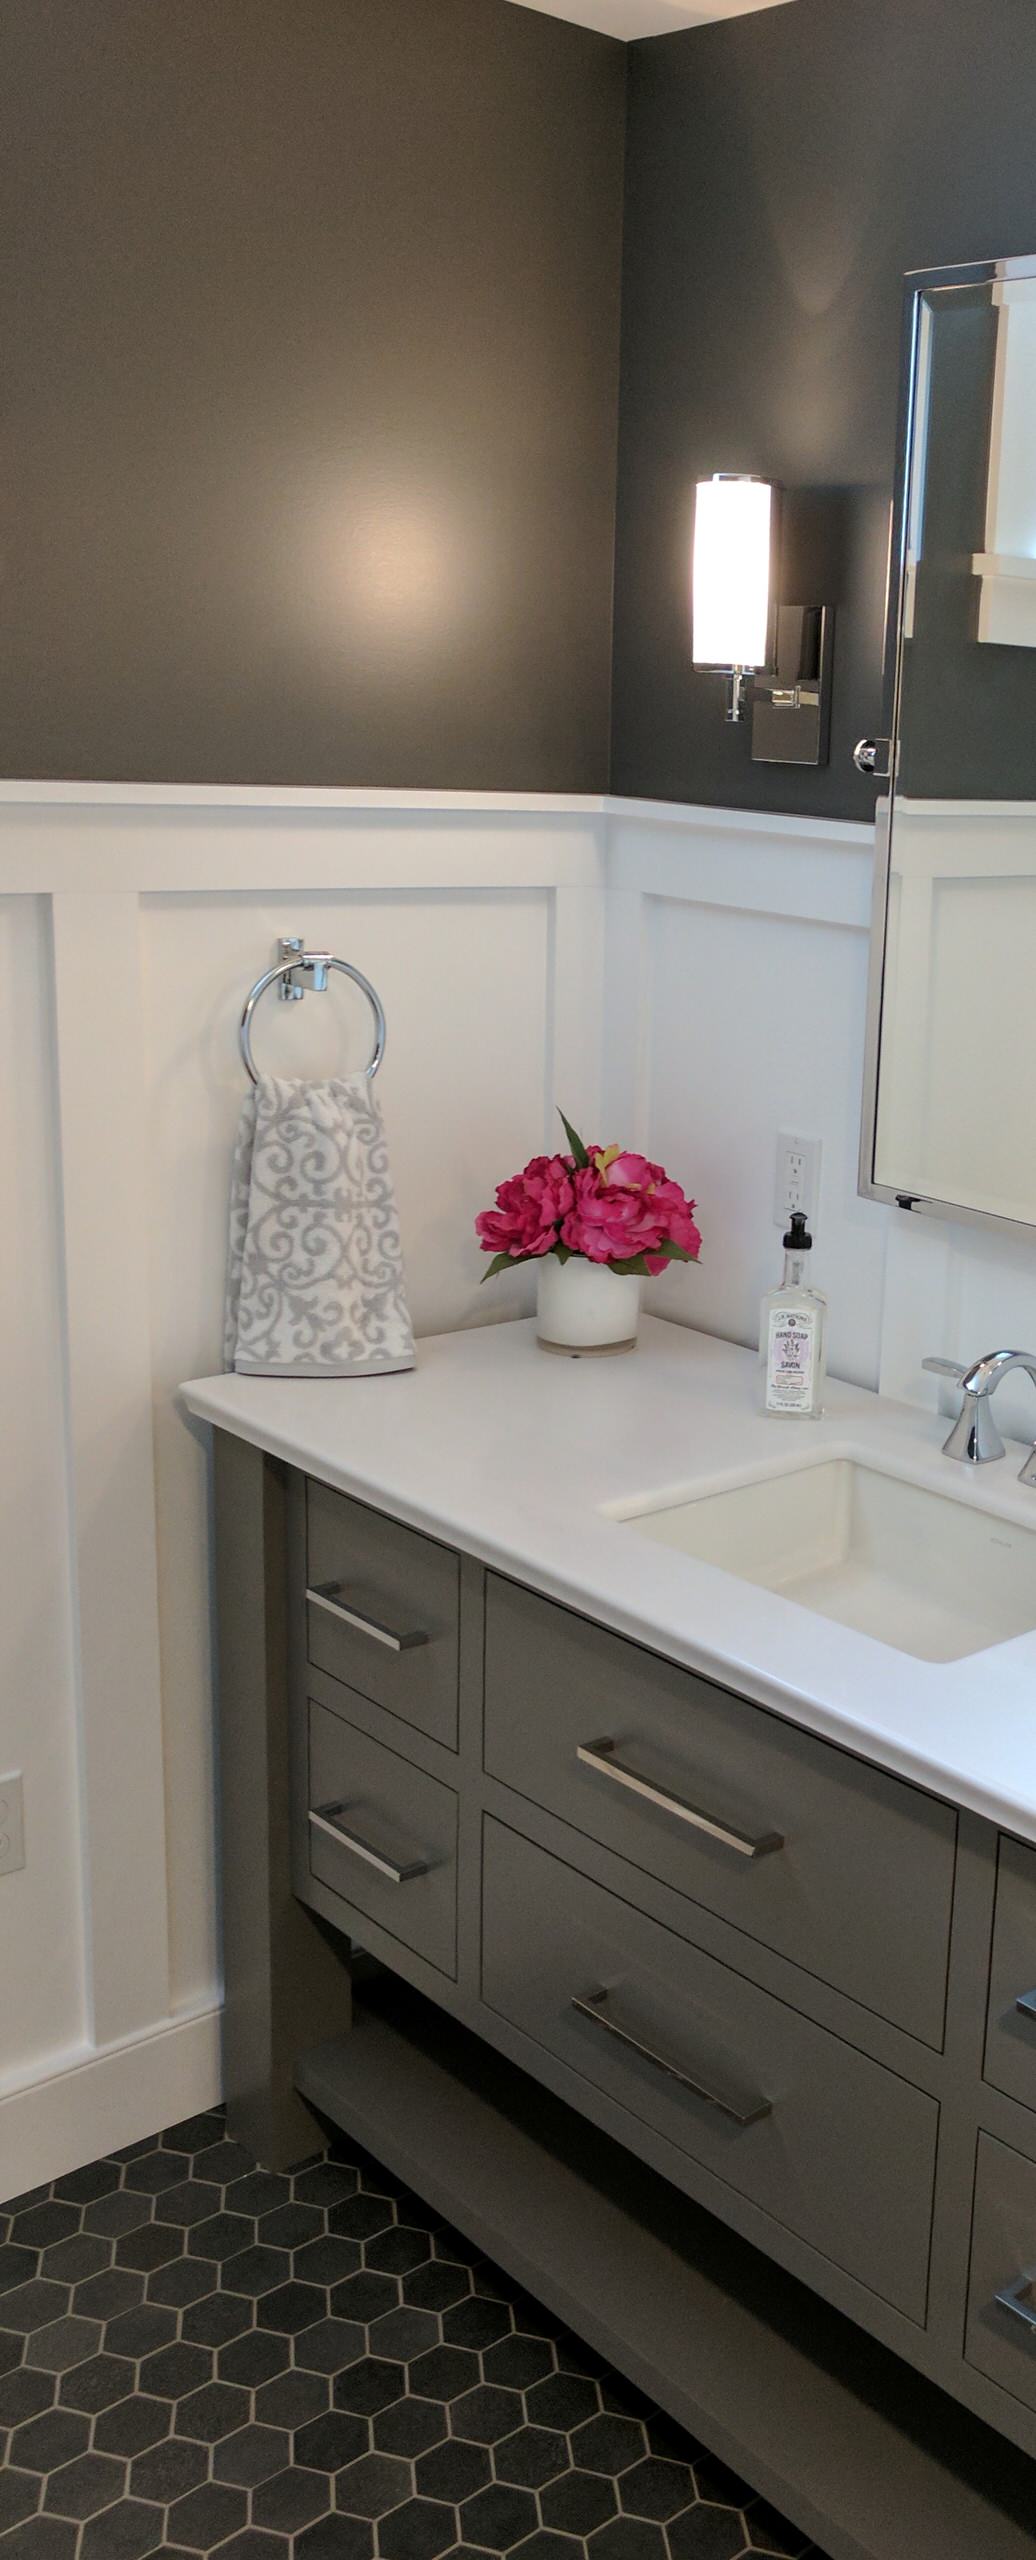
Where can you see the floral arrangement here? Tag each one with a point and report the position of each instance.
(602, 1202)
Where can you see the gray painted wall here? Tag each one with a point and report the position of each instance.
(309, 315)
(783, 171)
(309, 320)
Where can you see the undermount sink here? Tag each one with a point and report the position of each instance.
(918, 1570)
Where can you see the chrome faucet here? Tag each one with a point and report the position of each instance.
(974, 1436)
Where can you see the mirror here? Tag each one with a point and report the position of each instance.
(950, 1101)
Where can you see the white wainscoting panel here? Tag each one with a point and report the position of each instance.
(735, 1005)
(130, 932)
(102, 1167)
(465, 980)
(41, 1907)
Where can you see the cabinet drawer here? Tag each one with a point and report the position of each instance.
(835, 2148)
(383, 1611)
(1001, 2331)
(1011, 2026)
(381, 1836)
(842, 1869)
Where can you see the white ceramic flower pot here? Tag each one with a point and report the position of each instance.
(583, 1308)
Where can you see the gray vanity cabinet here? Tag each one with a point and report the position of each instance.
(564, 1883)
(1001, 2330)
(1011, 2027)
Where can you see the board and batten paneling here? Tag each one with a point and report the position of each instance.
(735, 992)
(465, 980)
(131, 928)
(41, 1906)
(751, 952)
(688, 980)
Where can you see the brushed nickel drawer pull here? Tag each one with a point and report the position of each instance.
(740, 2110)
(328, 1818)
(1017, 2299)
(602, 1757)
(1026, 2002)
(323, 1597)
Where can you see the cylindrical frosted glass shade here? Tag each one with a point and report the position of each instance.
(731, 572)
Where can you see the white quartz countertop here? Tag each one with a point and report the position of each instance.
(516, 1457)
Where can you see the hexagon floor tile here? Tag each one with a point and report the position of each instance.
(197, 2356)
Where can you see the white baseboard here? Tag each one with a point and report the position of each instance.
(96, 2101)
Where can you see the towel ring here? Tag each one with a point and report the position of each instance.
(316, 964)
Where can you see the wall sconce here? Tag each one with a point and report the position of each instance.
(732, 578)
(740, 630)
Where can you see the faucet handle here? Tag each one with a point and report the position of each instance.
(945, 1369)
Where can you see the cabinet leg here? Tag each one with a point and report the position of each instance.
(286, 1977)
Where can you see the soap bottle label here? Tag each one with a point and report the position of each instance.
(791, 1360)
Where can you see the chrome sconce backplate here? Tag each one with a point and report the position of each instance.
(791, 702)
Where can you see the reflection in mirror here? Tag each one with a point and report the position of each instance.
(952, 1071)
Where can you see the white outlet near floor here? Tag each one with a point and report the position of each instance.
(797, 1181)
(12, 1825)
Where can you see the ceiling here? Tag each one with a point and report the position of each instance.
(631, 18)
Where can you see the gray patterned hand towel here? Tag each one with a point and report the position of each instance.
(315, 1284)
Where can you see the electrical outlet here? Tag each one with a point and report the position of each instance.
(797, 1184)
(12, 1825)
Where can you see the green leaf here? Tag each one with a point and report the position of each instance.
(637, 1264)
(502, 1262)
(634, 1267)
(576, 1147)
(562, 1253)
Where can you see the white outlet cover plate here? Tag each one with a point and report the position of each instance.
(789, 1144)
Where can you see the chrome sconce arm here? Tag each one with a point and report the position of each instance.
(737, 698)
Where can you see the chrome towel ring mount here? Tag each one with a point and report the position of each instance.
(293, 974)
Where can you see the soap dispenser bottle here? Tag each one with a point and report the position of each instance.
(793, 1332)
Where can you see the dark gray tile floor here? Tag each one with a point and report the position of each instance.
(198, 2356)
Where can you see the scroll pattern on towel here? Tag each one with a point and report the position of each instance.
(315, 1284)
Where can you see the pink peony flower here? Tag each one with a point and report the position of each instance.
(676, 1212)
(626, 1206)
(635, 1173)
(608, 1223)
(681, 1229)
(529, 1209)
(616, 1207)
